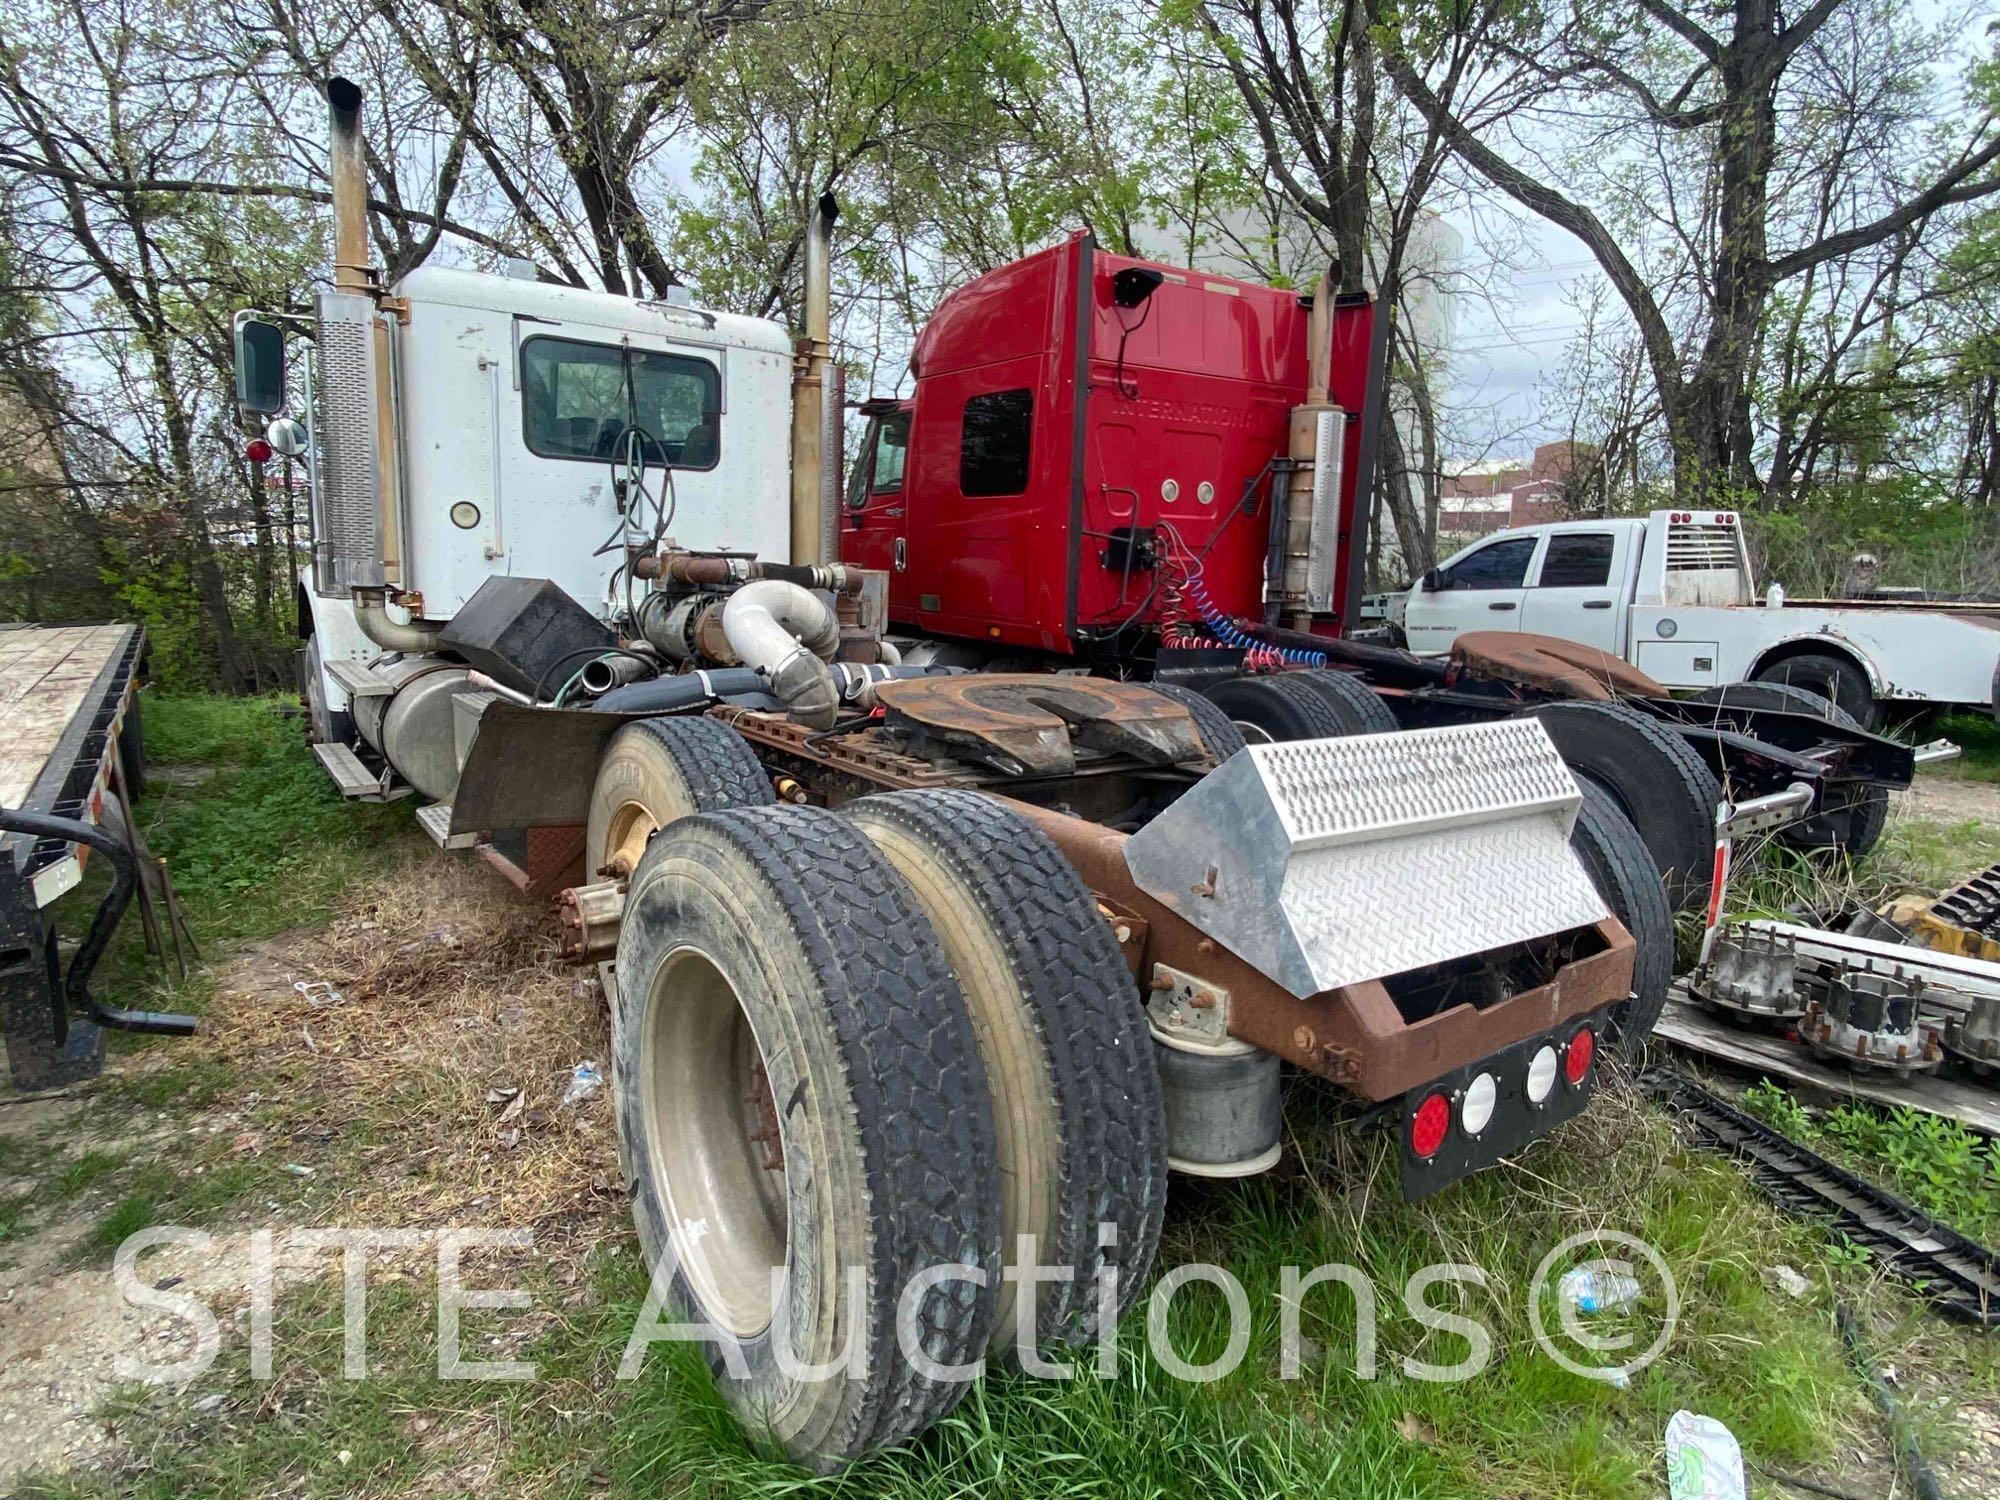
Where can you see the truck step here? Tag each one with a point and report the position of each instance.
(436, 821)
(360, 679)
(356, 782)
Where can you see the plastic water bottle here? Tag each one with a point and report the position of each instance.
(1590, 1290)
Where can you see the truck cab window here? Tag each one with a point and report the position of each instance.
(1577, 560)
(993, 443)
(1504, 565)
(892, 446)
(576, 398)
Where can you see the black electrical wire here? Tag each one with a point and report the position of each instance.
(1131, 392)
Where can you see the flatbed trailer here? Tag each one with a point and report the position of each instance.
(69, 752)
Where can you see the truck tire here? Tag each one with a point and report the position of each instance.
(1217, 730)
(1834, 678)
(656, 770)
(1267, 710)
(798, 1090)
(132, 752)
(1077, 1105)
(1853, 817)
(1356, 704)
(1620, 866)
(1663, 788)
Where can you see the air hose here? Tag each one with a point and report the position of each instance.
(1231, 633)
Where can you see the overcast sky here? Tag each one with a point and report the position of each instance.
(1522, 326)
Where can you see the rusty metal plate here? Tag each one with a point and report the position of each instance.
(1568, 669)
(1030, 723)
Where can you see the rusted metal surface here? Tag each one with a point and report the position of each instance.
(836, 767)
(590, 916)
(1354, 1036)
(553, 859)
(1568, 669)
(1030, 723)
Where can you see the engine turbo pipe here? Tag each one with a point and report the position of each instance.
(349, 170)
(787, 634)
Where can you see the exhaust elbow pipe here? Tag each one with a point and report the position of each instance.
(371, 613)
(787, 635)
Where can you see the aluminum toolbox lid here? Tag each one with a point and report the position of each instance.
(1324, 863)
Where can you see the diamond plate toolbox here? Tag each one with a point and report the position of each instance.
(1324, 863)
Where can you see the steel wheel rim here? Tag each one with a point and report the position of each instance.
(711, 1142)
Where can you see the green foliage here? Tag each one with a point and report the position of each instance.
(266, 842)
(1942, 1167)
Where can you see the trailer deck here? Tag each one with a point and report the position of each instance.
(65, 691)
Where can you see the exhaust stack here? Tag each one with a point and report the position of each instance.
(1318, 442)
(809, 391)
(357, 525)
(349, 171)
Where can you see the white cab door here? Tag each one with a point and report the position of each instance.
(1482, 588)
(1578, 587)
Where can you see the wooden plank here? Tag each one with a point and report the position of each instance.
(46, 673)
(1689, 1026)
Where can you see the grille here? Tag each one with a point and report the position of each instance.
(1693, 548)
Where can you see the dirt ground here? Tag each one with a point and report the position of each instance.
(388, 1070)
(1950, 799)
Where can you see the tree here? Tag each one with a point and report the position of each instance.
(1709, 153)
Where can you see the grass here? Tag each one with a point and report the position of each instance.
(1978, 738)
(390, 1107)
(1945, 1169)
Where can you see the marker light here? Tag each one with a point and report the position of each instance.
(1576, 1063)
(1428, 1125)
(258, 451)
(1475, 1110)
(1541, 1075)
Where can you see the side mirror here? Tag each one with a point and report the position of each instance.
(1433, 580)
(260, 364)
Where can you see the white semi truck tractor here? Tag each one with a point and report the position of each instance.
(909, 967)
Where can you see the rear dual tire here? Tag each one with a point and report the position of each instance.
(1076, 1095)
(873, 1045)
(1302, 705)
(777, 979)
(1622, 870)
(1663, 788)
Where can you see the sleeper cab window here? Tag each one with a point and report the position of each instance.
(576, 399)
(993, 443)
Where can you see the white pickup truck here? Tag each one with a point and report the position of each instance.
(1672, 593)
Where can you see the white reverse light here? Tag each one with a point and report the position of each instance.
(1542, 1074)
(1475, 1113)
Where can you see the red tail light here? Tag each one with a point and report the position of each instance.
(1576, 1062)
(1428, 1124)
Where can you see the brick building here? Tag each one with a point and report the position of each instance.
(1496, 493)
